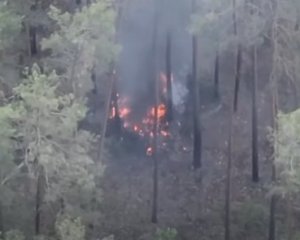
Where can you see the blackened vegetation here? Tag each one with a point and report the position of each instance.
(169, 104)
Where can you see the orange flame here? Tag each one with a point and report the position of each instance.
(146, 126)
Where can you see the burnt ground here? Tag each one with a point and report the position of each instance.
(193, 202)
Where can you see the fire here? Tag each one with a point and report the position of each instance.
(164, 80)
(161, 111)
(145, 127)
(112, 113)
(124, 112)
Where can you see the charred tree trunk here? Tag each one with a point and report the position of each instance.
(238, 59)
(237, 77)
(169, 78)
(155, 156)
(154, 218)
(272, 222)
(197, 145)
(216, 76)
(115, 104)
(39, 199)
(227, 220)
(255, 166)
(33, 41)
(1, 220)
(197, 148)
(273, 202)
(106, 113)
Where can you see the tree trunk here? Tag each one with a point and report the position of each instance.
(154, 217)
(197, 149)
(1, 220)
(106, 114)
(238, 59)
(273, 203)
(155, 155)
(117, 120)
(169, 77)
(237, 77)
(255, 166)
(33, 41)
(39, 199)
(272, 223)
(289, 217)
(227, 221)
(216, 76)
(197, 146)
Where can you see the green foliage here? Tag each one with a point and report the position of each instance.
(68, 228)
(166, 234)
(46, 123)
(10, 25)
(82, 41)
(287, 140)
(250, 219)
(13, 235)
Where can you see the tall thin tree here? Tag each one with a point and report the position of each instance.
(197, 148)
(255, 166)
(154, 217)
(227, 220)
(1, 219)
(40, 188)
(274, 94)
(238, 62)
(169, 77)
(216, 75)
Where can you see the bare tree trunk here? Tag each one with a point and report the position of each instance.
(27, 28)
(255, 166)
(39, 199)
(289, 217)
(272, 223)
(33, 41)
(155, 155)
(1, 220)
(227, 221)
(117, 119)
(273, 203)
(106, 115)
(274, 93)
(154, 217)
(216, 76)
(169, 77)
(197, 148)
(238, 59)
(237, 77)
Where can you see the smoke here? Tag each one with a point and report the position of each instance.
(136, 39)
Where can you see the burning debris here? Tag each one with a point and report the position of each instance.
(122, 111)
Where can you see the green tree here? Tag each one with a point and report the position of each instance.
(56, 153)
(82, 41)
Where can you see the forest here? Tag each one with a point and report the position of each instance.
(149, 119)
